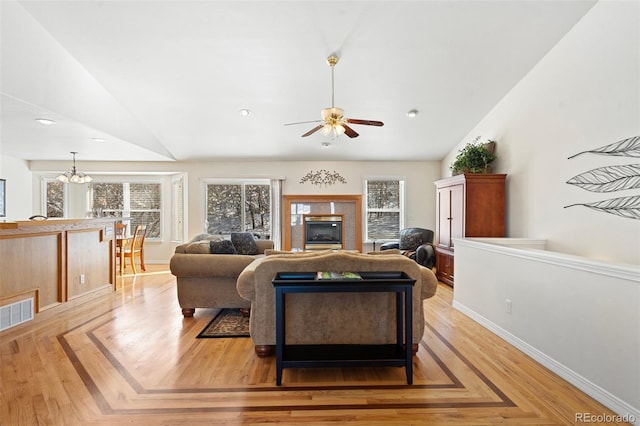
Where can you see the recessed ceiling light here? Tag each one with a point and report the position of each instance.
(45, 121)
(97, 139)
(326, 144)
(245, 112)
(412, 113)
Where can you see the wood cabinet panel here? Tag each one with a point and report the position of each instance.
(468, 205)
(444, 266)
(32, 263)
(87, 256)
(46, 258)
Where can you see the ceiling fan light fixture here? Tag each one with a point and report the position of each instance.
(334, 122)
(73, 176)
(332, 114)
(332, 130)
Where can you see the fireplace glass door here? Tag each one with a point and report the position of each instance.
(323, 232)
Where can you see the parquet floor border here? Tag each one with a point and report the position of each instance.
(129, 357)
(95, 388)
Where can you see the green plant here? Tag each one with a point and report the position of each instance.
(475, 157)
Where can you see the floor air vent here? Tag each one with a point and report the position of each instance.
(16, 313)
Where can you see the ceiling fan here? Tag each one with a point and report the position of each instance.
(333, 122)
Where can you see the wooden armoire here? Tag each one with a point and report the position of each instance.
(468, 205)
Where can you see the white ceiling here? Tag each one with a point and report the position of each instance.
(165, 80)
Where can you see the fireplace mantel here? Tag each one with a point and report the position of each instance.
(295, 206)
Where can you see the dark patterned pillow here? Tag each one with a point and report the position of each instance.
(222, 247)
(244, 243)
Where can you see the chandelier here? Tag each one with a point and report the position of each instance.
(73, 175)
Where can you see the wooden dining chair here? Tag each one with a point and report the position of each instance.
(121, 230)
(135, 248)
(121, 241)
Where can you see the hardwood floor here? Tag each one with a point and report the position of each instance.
(130, 357)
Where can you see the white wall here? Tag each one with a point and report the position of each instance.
(419, 188)
(578, 317)
(583, 95)
(18, 190)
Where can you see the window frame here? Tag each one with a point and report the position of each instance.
(401, 201)
(242, 182)
(138, 180)
(43, 192)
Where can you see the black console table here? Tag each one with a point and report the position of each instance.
(397, 354)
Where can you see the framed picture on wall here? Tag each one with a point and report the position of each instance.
(3, 209)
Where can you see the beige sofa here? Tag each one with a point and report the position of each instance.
(338, 318)
(207, 280)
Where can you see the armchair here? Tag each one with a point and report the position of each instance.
(415, 243)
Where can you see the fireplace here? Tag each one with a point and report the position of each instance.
(296, 206)
(323, 232)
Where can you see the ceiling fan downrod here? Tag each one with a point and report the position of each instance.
(332, 60)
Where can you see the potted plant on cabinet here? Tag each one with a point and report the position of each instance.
(475, 157)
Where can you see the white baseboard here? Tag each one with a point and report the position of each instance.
(632, 414)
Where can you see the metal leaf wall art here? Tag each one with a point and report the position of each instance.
(608, 179)
(624, 148)
(323, 177)
(613, 178)
(623, 206)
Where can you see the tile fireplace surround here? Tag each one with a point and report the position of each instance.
(295, 206)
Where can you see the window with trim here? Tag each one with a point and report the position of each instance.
(136, 203)
(384, 209)
(55, 198)
(239, 207)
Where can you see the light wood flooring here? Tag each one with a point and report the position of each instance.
(129, 356)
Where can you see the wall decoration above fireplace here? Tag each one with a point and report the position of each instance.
(323, 177)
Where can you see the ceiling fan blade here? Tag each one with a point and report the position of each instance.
(312, 131)
(303, 122)
(349, 131)
(365, 122)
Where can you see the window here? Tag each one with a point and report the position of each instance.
(384, 209)
(136, 203)
(55, 198)
(239, 207)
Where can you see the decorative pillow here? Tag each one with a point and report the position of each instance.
(199, 247)
(222, 247)
(244, 243)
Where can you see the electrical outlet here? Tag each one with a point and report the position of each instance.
(507, 305)
(82, 280)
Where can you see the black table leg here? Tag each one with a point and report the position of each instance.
(408, 328)
(279, 334)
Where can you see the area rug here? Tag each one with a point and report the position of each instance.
(227, 323)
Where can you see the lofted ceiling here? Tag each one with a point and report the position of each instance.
(166, 80)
